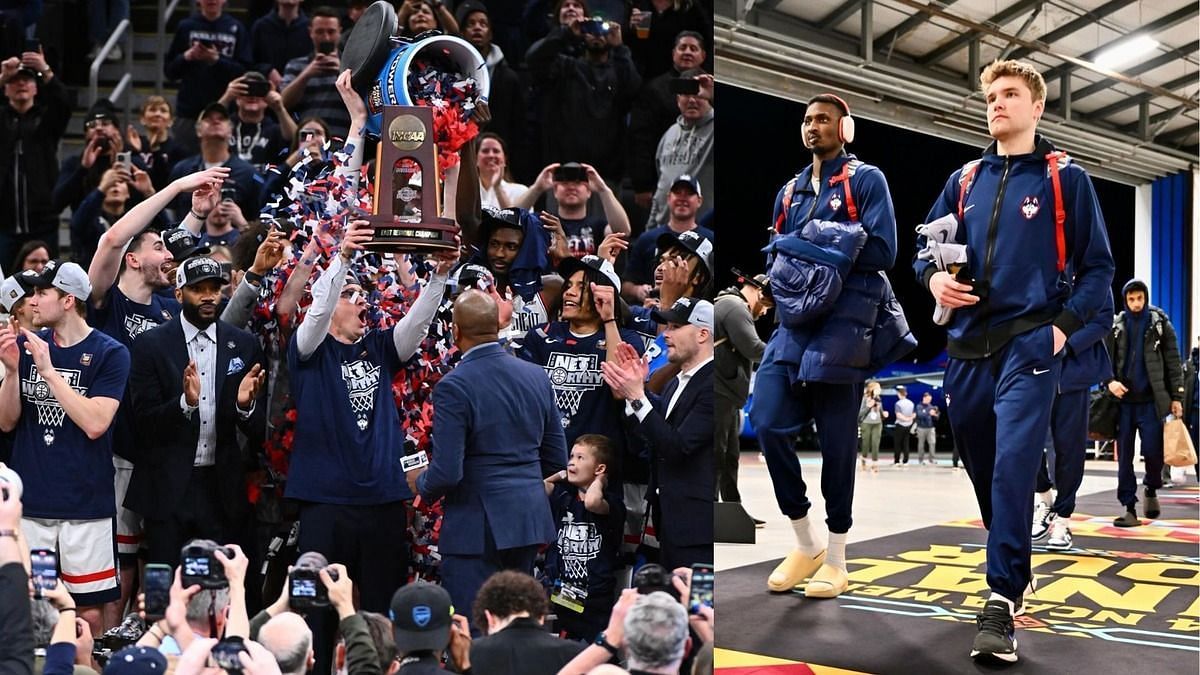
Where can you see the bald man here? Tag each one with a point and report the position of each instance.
(496, 436)
(289, 640)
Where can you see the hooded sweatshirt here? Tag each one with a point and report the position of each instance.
(684, 148)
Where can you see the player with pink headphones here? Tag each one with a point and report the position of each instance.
(816, 370)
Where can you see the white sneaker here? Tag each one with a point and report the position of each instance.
(1060, 535)
(1041, 519)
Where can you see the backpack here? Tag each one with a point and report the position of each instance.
(1054, 161)
(843, 177)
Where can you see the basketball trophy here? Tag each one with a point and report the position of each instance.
(388, 72)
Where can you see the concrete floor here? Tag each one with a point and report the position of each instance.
(889, 502)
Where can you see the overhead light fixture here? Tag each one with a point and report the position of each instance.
(1126, 51)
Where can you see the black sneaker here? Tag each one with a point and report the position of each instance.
(1152, 508)
(996, 639)
(1130, 519)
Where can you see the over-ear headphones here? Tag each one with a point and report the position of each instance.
(846, 123)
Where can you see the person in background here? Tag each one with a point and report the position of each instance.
(927, 417)
(905, 418)
(870, 425)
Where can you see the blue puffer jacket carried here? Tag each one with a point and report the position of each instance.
(866, 328)
(1008, 225)
(810, 269)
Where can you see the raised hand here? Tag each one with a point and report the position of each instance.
(252, 384)
(603, 297)
(235, 567)
(545, 179)
(132, 138)
(37, 348)
(269, 253)
(675, 281)
(206, 198)
(611, 247)
(191, 385)
(357, 234)
(10, 356)
(199, 179)
(350, 98)
(446, 260)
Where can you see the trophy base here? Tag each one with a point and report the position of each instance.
(398, 236)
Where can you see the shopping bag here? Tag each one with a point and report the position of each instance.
(1177, 444)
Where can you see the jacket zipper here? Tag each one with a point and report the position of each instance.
(991, 241)
(817, 200)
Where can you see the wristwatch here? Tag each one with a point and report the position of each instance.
(602, 641)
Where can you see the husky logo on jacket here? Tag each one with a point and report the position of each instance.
(1030, 207)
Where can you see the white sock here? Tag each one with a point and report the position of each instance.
(806, 538)
(835, 555)
(1006, 601)
(1046, 498)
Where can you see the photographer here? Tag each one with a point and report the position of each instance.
(870, 424)
(217, 608)
(65, 638)
(573, 185)
(584, 98)
(214, 131)
(309, 81)
(258, 138)
(360, 652)
(686, 147)
(16, 634)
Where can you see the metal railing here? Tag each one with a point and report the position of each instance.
(165, 10)
(124, 31)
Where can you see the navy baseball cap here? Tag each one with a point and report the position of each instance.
(195, 270)
(687, 310)
(421, 614)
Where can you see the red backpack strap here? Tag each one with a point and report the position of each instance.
(843, 177)
(1060, 214)
(787, 204)
(965, 176)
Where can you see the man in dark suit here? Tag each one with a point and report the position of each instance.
(509, 609)
(496, 436)
(194, 382)
(677, 427)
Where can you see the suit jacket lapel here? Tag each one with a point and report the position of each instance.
(224, 355)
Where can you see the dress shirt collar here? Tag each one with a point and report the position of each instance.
(190, 331)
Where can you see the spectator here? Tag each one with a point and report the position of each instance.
(344, 464)
(289, 640)
(210, 49)
(258, 138)
(905, 417)
(103, 17)
(509, 609)
(224, 223)
(506, 99)
(686, 148)
(424, 626)
(66, 423)
(583, 99)
(16, 649)
(870, 424)
(102, 208)
(494, 447)
(738, 348)
(32, 256)
(656, 632)
(215, 131)
(196, 614)
(684, 202)
(684, 269)
(677, 427)
(496, 189)
(654, 112)
(184, 401)
(590, 515)
(157, 151)
(927, 416)
(574, 185)
(80, 174)
(367, 647)
(1148, 379)
(309, 82)
(55, 627)
(279, 37)
(421, 16)
(668, 19)
(31, 124)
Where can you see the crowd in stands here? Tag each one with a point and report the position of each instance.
(218, 359)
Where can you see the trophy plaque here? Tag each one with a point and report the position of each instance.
(405, 210)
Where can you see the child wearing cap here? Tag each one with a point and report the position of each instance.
(580, 566)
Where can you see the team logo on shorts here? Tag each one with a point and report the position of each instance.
(835, 203)
(1030, 207)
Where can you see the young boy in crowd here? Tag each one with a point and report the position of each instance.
(581, 566)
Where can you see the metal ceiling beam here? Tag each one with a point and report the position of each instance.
(1131, 101)
(1045, 49)
(840, 14)
(1176, 136)
(1088, 19)
(1160, 24)
(908, 25)
(1106, 84)
(1021, 32)
(957, 43)
(1155, 120)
